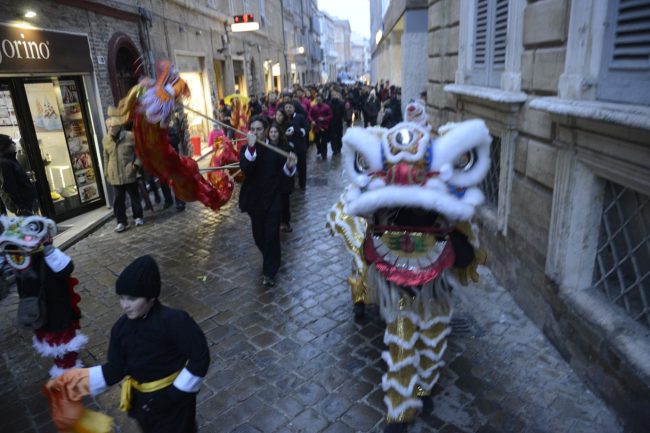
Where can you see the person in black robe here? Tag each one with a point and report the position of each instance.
(261, 195)
(296, 133)
(157, 347)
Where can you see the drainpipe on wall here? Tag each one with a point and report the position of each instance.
(284, 44)
(145, 39)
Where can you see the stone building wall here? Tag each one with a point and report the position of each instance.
(557, 154)
(99, 29)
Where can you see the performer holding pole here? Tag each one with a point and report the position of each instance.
(160, 352)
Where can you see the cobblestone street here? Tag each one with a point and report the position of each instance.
(291, 358)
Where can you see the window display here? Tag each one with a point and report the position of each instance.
(63, 142)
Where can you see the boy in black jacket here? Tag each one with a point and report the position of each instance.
(160, 352)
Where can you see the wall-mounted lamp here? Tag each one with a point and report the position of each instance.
(198, 33)
(30, 14)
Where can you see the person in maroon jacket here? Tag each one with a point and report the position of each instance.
(320, 116)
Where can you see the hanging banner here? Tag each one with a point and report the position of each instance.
(35, 50)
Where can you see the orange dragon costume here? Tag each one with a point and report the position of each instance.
(150, 105)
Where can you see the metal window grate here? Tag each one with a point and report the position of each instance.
(490, 184)
(622, 267)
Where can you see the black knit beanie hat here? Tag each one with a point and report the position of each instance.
(140, 279)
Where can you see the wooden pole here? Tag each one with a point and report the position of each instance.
(269, 146)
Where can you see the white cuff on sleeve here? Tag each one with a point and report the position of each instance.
(187, 382)
(289, 172)
(248, 155)
(57, 260)
(303, 131)
(97, 384)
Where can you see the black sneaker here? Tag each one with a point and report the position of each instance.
(359, 310)
(398, 427)
(268, 281)
(427, 404)
(167, 205)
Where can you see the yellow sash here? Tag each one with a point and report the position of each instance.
(129, 383)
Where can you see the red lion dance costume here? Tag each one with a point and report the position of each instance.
(405, 220)
(150, 104)
(44, 271)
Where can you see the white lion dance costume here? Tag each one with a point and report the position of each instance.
(44, 271)
(405, 220)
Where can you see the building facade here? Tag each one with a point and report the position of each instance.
(302, 41)
(343, 47)
(328, 47)
(564, 87)
(359, 60)
(398, 43)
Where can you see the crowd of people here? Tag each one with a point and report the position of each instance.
(292, 121)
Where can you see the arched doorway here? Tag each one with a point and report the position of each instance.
(123, 62)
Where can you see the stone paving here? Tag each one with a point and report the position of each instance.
(291, 358)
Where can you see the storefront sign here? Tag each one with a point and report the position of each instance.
(34, 50)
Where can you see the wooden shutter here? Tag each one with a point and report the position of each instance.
(625, 73)
(481, 38)
(490, 39)
(500, 39)
(481, 43)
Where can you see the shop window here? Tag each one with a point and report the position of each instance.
(490, 42)
(625, 69)
(490, 184)
(622, 268)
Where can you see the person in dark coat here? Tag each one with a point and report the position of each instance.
(277, 138)
(261, 195)
(393, 111)
(296, 133)
(16, 190)
(336, 125)
(160, 351)
(372, 109)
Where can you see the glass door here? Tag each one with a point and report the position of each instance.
(9, 126)
(58, 119)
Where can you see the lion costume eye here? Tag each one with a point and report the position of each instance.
(403, 137)
(360, 164)
(466, 161)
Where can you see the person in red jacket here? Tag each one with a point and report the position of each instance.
(320, 116)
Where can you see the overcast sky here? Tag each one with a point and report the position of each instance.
(356, 11)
